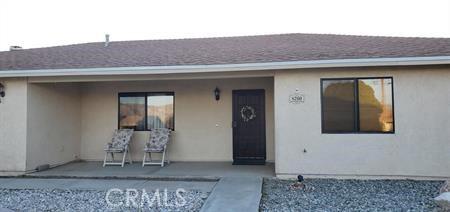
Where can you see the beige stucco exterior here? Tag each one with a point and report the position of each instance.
(203, 130)
(58, 122)
(39, 124)
(58, 119)
(420, 146)
(13, 126)
(53, 125)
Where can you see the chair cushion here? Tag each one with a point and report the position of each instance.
(158, 140)
(120, 140)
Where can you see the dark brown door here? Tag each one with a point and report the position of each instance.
(249, 127)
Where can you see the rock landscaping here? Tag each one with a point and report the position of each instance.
(84, 200)
(350, 195)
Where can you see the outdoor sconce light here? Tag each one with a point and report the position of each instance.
(217, 93)
(2, 91)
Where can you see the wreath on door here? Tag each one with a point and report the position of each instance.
(247, 113)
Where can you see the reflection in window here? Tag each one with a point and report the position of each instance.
(160, 111)
(132, 112)
(146, 111)
(338, 105)
(375, 105)
(357, 105)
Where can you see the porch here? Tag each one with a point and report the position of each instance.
(72, 119)
(174, 171)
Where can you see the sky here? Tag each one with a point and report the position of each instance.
(41, 23)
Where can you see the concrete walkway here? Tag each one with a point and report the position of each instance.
(235, 194)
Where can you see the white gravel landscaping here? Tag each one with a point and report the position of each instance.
(350, 195)
(89, 200)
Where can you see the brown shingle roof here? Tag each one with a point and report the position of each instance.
(224, 50)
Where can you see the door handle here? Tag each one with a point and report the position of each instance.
(234, 124)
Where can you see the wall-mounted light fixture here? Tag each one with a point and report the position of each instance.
(217, 93)
(2, 91)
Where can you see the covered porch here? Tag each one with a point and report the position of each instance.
(71, 119)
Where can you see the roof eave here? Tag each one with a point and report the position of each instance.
(337, 63)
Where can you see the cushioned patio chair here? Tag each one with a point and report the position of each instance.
(120, 143)
(157, 144)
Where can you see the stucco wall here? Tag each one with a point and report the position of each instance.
(13, 125)
(196, 136)
(53, 124)
(419, 147)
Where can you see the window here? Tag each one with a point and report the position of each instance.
(132, 112)
(159, 111)
(339, 105)
(146, 111)
(357, 105)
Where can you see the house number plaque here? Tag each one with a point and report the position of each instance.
(296, 98)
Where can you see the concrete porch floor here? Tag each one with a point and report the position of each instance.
(182, 170)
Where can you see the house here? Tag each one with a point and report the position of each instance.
(314, 104)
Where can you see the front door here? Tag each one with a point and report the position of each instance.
(249, 127)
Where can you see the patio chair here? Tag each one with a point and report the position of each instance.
(120, 143)
(157, 144)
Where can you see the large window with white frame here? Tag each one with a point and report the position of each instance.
(357, 105)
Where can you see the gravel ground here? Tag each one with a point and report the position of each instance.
(79, 200)
(350, 195)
